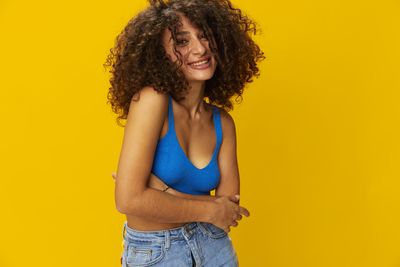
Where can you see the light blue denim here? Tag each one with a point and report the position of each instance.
(197, 244)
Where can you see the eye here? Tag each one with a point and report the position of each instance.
(181, 41)
(203, 36)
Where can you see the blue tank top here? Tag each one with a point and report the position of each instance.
(175, 169)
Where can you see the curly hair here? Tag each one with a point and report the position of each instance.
(138, 58)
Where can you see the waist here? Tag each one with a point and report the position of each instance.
(159, 236)
(140, 224)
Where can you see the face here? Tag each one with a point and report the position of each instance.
(198, 62)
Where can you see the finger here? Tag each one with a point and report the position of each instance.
(244, 211)
(234, 224)
(238, 217)
(233, 198)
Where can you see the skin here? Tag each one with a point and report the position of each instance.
(196, 136)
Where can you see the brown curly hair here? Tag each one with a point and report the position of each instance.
(138, 58)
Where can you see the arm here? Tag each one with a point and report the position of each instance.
(189, 196)
(164, 207)
(132, 195)
(158, 184)
(230, 181)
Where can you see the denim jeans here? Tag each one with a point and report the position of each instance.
(197, 244)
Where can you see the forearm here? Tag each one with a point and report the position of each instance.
(167, 208)
(199, 197)
(157, 183)
(189, 196)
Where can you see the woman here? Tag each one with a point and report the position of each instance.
(176, 146)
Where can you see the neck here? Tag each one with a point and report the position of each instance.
(193, 102)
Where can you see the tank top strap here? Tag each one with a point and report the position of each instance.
(217, 124)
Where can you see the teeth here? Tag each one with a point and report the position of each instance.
(199, 63)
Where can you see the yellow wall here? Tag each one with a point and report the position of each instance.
(318, 135)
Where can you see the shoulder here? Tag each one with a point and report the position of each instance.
(227, 121)
(149, 94)
(148, 99)
(147, 106)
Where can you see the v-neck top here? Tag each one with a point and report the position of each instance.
(175, 169)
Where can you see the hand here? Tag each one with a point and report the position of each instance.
(226, 212)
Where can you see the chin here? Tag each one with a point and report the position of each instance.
(200, 76)
(193, 80)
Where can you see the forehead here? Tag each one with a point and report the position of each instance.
(186, 23)
(186, 27)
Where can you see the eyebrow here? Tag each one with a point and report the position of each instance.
(179, 33)
(182, 33)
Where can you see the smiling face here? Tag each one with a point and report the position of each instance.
(198, 62)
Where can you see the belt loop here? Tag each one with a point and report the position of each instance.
(167, 239)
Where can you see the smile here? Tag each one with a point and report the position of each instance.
(203, 64)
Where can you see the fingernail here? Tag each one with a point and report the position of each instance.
(237, 197)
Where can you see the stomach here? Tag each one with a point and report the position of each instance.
(141, 224)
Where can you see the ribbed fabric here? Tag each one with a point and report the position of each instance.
(174, 168)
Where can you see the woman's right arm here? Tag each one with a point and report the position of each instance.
(133, 196)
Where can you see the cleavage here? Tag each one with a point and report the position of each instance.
(197, 141)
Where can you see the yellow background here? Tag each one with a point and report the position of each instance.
(318, 135)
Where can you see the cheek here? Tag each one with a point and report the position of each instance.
(172, 57)
(170, 54)
(169, 51)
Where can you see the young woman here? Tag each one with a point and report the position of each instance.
(177, 147)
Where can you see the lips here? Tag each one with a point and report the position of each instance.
(201, 61)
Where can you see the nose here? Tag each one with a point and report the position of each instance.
(199, 47)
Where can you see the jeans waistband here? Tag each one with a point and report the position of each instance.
(158, 235)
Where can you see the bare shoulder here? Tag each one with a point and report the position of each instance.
(228, 123)
(150, 97)
(147, 112)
